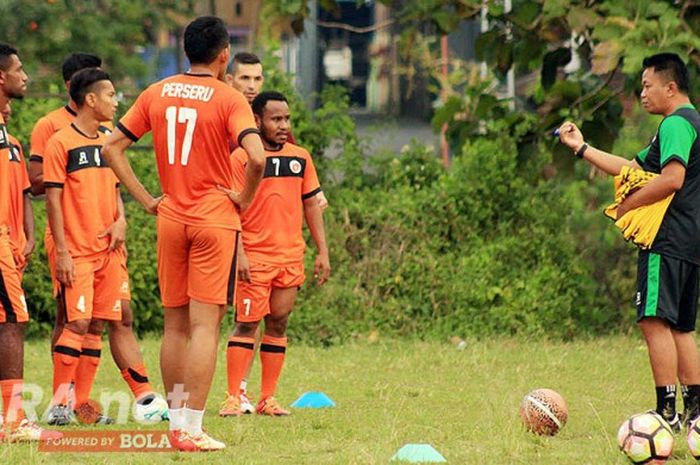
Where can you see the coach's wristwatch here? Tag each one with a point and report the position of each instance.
(579, 153)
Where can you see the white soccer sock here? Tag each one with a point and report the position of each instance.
(176, 418)
(193, 421)
(244, 385)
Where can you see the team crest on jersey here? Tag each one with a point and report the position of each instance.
(89, 156)
(295, 166)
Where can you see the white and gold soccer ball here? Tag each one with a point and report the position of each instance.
(646, 438)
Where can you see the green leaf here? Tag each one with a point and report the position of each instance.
(581, 19)
(606, 56)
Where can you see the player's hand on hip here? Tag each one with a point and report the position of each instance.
(570, 135)
(236, 198)
(243, 267)
(322, 269)
(152, 206)
(65, 268)
(117, 234)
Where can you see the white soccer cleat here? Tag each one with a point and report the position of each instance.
(154, 411)
(246, 405)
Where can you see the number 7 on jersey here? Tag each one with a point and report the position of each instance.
(173, 116)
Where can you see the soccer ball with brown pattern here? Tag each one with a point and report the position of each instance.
(544, 412)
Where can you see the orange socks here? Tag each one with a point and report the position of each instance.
(87, 367)
(137, 379)
(272, 352)
(12, 399)
(239, 354)
(66, 353)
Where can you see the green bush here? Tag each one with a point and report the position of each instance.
(485, 247)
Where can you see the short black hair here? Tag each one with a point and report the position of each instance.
(77, 61)
(82, 82)
(260, 101)
(6, 51)
(246, 58)
(672, 66)
(205, 38)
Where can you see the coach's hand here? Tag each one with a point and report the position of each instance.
(65, 269)
(116, 233)
(571, 136)
(322, 269)
(236, 198)
(243, 266)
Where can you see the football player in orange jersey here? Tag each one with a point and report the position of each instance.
(192, 117)
(22, 236)
(122, 341)
(13, 307)
(247, 77)
(271, 262)
(88, 226)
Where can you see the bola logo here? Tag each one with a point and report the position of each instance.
(295, 166)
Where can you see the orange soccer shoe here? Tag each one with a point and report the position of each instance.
(269, 406)
(231, 407)
(201, 442)
(27, 431)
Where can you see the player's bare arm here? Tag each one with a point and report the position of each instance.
(669, 181)
(36, 177)
(571, 136)
(65, 269)
(29, 229)
(117, 230)
(314, 221)
(114, 151)
(252, 144)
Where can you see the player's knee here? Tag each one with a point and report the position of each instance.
(96, 327)
(246, 329)
(276, 326)
(78, 326)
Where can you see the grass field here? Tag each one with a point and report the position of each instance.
(390, 393)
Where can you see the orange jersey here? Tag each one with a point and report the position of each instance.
(192, 117)
(51, 123)
(19, 186)
(73, 162)
(5, 176)
(272, 224)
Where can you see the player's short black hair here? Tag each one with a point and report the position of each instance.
(77, 61)
(83, 81)
(246, 58)
(260, 101)
(6, 51)
(672, 66)
(205, 38)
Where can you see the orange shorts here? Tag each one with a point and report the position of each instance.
(253, 298)
(95, 292)
(195, 263)
(125, 288)
(13, 306)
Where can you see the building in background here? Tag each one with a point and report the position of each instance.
(356, 48)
